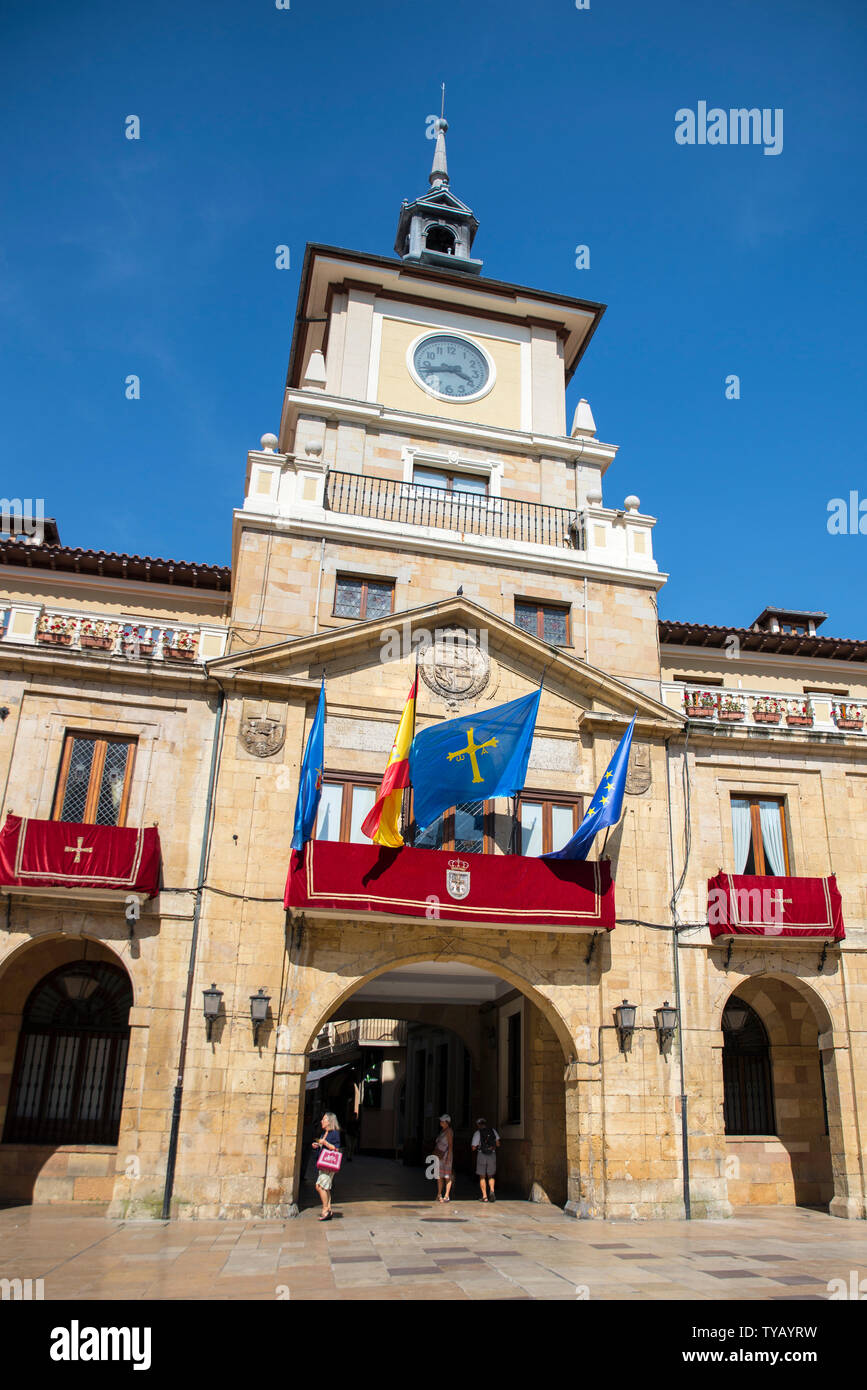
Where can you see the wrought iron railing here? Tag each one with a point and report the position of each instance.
(468, 513)
(347, 1032)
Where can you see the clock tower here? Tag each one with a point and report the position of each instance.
(424, 447)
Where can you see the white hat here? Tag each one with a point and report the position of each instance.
(448, 1118)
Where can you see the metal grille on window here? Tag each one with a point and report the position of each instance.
(67, 1086)
(554, 626)
(525, 617)
(78, 779)
(347, 599)
(470, 827)
(111, 789)
(748, 1098)
(378, 600)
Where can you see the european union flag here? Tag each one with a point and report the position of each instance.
(606, 805)
(472, 759)
(310, 787)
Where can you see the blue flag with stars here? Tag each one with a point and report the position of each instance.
(310, 787)
(606, 805)
(472, 759)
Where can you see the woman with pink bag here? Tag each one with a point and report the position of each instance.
(329, 1161)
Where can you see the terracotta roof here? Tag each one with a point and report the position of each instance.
(752, 640)
(111, 565)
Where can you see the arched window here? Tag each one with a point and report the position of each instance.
(749, 1104)
(440, 239)
(67, 1087)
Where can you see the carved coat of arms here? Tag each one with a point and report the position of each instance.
(262, 737)
(455, 667)
(458, 878)
(638, 776)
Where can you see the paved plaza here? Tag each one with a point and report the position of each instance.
(387, 1240)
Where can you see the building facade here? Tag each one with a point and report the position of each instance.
(424, 502)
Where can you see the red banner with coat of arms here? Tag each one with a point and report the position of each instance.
(775, 907)
(69, 854)
(503, 890)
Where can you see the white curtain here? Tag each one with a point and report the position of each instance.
(772, 836)
(742, 833)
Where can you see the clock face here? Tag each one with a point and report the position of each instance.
(450, 367)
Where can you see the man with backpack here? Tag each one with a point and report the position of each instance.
(486, 1141)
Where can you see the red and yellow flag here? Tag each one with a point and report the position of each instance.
(381, 822)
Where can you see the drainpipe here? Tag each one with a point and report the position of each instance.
(319, 586)
(191, 967)
(684, 1102)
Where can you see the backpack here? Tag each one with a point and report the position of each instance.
(488, 1140)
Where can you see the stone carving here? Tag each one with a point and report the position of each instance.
(262, 737)
(454, 666)
(638, 777)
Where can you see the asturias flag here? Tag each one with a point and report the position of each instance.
(606, 805)
(381, 822)
(310, 787)
(471, 759)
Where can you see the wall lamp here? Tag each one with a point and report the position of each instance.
(259, 1004)
(624, 1022)
(666, 1022)
(213, 1000)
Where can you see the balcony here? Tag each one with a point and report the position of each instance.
(360, 1032)
(464, 513)
(757, 709)
(134, 640)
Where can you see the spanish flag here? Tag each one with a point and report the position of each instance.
(381, 822)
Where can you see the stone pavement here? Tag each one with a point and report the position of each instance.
(387, 1240)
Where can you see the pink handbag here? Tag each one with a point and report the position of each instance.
(330, 1159)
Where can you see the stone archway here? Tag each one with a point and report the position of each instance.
(791, 1164)
(42, 1167)
(551, 1158)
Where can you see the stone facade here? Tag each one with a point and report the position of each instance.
(601, 1128)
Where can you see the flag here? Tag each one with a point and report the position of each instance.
(381, 822)
(471, 759)
(310, 785)
(606, 805)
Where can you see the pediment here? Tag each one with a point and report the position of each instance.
(368, 666)
(440, 200)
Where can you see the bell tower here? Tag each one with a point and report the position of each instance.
(437, 229)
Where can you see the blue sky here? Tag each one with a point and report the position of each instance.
(262, 127)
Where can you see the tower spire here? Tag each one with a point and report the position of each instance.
(437, 229)
(439, 173)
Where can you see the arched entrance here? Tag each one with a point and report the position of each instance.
(776, 1112)
(65, 1005)
(449, 1037)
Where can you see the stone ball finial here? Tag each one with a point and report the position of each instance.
(594, 497)
(313, 450)
(268, 443)
(632, 503)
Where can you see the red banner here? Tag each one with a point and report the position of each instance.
(68, 854)
(750, 905)
(503, 890)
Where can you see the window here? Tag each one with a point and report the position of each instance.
(703, 682)
(465, 829)
(748, 1097)
(549, 621)
(794, 629)
(759, 833)
(94, 781)
(450, 482)
(343, 805)
(440, 239)
(67, 1086)
(548, 823)
(511, 1068)
(362, 598)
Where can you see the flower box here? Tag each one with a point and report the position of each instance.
(767, 716)
(699, 711)
(849, 723)
(132, 648)
(54, 639)
(100, 644)
(731, 716)
(800, 721)
(179, 653)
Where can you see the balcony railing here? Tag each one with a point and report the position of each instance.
(759, 709)
(467, 513)
(364, 1032)
(81, 632)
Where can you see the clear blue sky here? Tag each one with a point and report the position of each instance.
(262, 126)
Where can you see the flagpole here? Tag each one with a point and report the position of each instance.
(406, 791)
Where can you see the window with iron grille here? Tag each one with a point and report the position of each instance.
(67, 1085)
(513, 1069)
(94, 780)
(748, 1094)
(363, 598)
(549, 621)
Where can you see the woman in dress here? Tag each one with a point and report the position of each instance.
(330, 1139)
(444, 1149)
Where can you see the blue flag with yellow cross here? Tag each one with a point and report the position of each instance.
(606, 805)
(472, 759)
